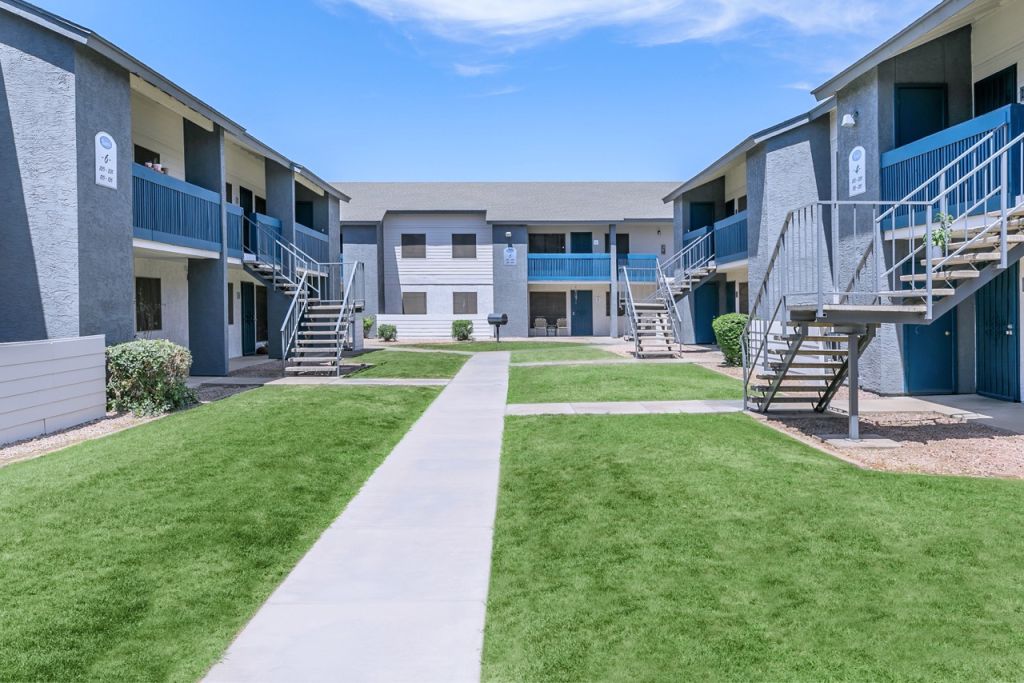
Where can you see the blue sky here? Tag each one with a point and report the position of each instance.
(498, 89)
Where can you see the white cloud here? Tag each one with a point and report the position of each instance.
(474, 70)
(655, 21)
(500, 92)
(803, 86)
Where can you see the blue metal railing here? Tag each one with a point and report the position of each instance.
(906, 168)
(166, 209)
(235, 214)
(642, 267)
(312, 242)
(596, 267)
(731, 238)
(261, 235)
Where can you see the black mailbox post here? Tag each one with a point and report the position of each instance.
(497, 319)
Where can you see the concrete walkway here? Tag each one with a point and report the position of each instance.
(395, 590)
(625, 408)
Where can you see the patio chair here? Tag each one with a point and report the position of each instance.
(562, 327)
(540, 327)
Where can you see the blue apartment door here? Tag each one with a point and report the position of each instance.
(929, 356)
(248, 319)
(582, 312)
(705, 309)
(581, 242)
(921, 109)
(998, 339)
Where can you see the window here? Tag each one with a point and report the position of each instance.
(464, 303)
(621, 309)
(414, 303)
(229, 193)
(261, 205)
(621, 244)
(304, 213)
(546, 308)
(463, 246)
(145, 156)
(147, 304)
(741, 204)
(995, 91)
(414, 246)
(541, 243)
(231, 303)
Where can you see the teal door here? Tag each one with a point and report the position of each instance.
(920, 111)
(998, 343)
(702, 215)
(581, 242)
(929, 356)
(248, 319)
(705, 309)
(582, 312)
(730, 297)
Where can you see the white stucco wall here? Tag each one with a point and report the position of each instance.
(244, 168)
(158, 128)
(736, 181)
(173, 275)
(643, 237)
(236, 276)
(997, 42)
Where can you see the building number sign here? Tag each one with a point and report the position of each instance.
(106, 160)
(858, 162)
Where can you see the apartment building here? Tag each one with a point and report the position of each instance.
(132, 209)
(548, 255)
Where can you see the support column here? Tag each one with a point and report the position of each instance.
(208, 278)
(613, 323)
(334, 246)
(280, 205)
(853, 345)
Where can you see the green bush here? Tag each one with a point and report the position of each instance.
(368, 322)
(387, 332)
(728, 330)
(148, 377)
(462, 330)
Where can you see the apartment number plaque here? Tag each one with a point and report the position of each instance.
(510, 256)
(858, 163)
(106, 160)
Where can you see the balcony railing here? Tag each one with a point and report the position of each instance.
(642, 267)
(234, 230)
(313, 242)
(579, 267)
(907, 168)
(731, 238)
(169, 210)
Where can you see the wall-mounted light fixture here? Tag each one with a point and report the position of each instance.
(850, 120)
(508, 238)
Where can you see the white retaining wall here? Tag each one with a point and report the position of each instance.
(50, 385)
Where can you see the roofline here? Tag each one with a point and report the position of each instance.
(718, 167)
(920, 27)
(91, 39)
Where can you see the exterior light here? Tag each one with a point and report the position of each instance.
(850, 120)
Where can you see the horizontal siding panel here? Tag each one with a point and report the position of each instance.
(433, 326)
(438, 268)
(50, 384)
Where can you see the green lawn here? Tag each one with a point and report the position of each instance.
(404, 364)
(530, 351)
(140, 555)
(658, 382)
(693, 548)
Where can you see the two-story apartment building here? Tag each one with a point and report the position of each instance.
(130, 208)
(545, 254)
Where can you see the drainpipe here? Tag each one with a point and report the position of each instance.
(613, 308)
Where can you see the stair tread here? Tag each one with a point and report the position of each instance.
(942, 275)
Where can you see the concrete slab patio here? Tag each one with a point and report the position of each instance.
(395, 589)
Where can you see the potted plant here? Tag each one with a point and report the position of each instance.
(941, 234)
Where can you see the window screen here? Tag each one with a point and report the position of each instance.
(148, 313)
(464, 303)
(463, 246)
(414, 303)
(414, 246)
(547, 244)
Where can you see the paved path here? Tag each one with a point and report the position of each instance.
(625, 408)
(395, 589)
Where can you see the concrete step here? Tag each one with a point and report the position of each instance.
(809, 365)
(822, 377)
(917, 293)
(793, 389)
(942, 276)
(810, 352)
(964, 259)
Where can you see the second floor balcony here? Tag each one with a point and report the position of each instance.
(165, 209)
(584, 267)
(731, 238)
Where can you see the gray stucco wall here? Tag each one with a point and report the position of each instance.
(359, 243)
(105, 263)
(510, 282)
(38, 184)
(281, 197)
(713, 191)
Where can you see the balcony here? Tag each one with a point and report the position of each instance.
(906, 168)
(313, 242)
(731, 238)
(235, 222)
(587, 267)
(169, 210)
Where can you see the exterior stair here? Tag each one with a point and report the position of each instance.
(652, 329)
(318, 345)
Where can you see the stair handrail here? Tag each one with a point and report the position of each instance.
(293, 318)
(627, 294)
(664, 291)
(289, 262)
(348, 306)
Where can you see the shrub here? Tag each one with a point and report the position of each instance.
(147, 377)
(462, 330)
(368, 322)
(387, 332)
(728, 330)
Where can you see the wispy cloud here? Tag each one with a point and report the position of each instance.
(501, 92)
(803, 86)
(474, 70)
(651, 21)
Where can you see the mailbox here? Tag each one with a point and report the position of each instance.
(497, 319)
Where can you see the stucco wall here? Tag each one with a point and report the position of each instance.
(106, 285)
(510, 295)
(359, 244)
(161, 130)
(244, 169)
(173, 276)
(38, 184)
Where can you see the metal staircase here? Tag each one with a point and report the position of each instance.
(651, 297)
(318, 325)
(841, 269)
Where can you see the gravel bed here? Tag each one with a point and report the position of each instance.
(929, 443)
(47, 443)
